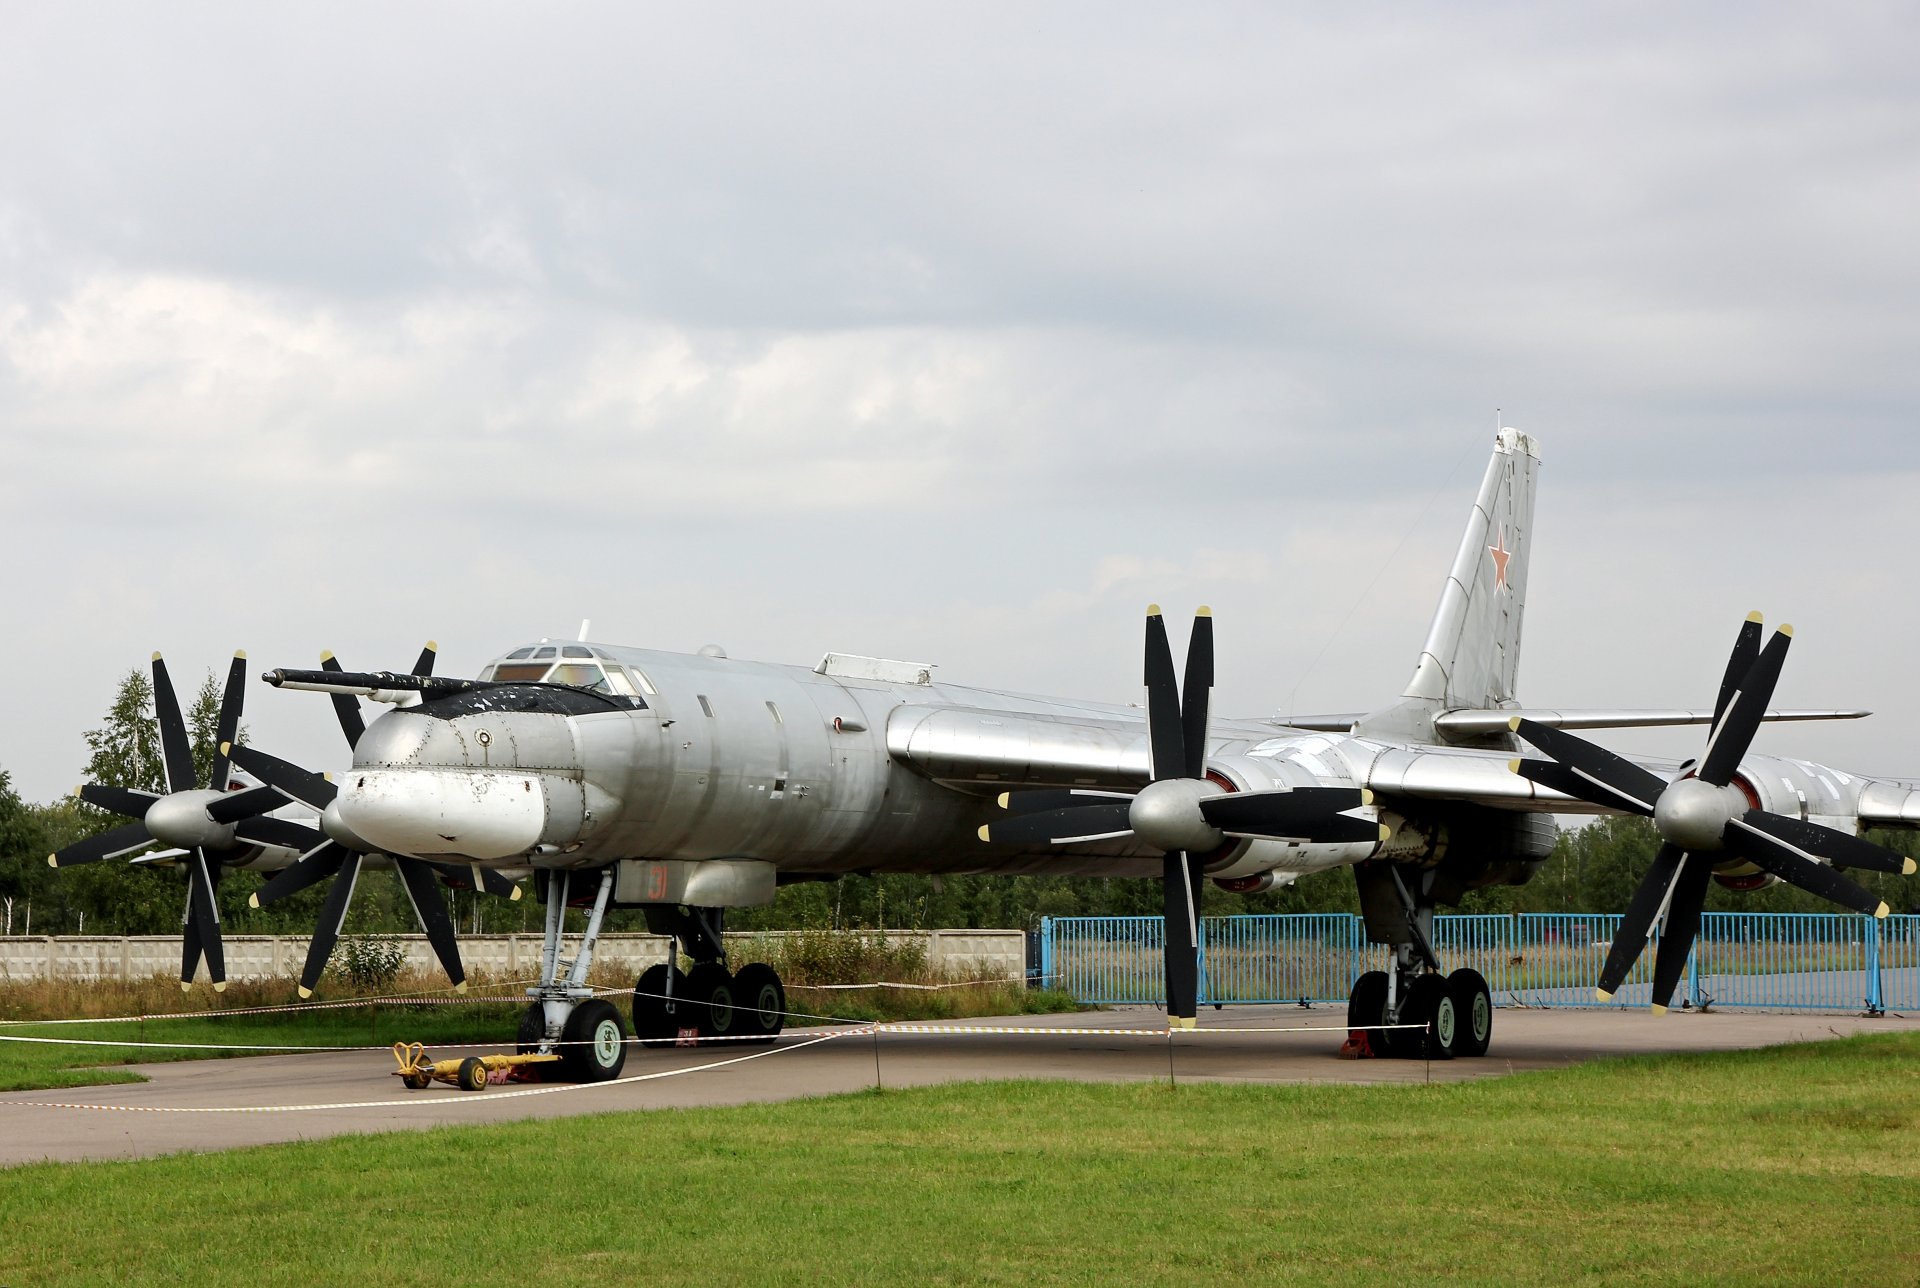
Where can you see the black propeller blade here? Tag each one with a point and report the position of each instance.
(1705, 821)
(346, 707)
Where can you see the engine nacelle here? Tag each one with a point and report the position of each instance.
(1243, 857)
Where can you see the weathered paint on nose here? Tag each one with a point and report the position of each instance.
(481, 814)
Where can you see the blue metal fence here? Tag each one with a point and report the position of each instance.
(1774, 961)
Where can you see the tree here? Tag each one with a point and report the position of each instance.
(23, 856)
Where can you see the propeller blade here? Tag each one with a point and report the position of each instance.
(1566, 780)
(1310, 813)
(175, 748)
(333, 914)
(461, 876)
(120, 800)
(310, 789)
(281, 832)
(189, 945)
(1059, 826)
(1609, 780)
(1746, 647)
(1180, 906)
(345, 706)
(204, 915)
(1164, 735)
(1636, 927)
(424, 665)
(1048, 798)
(1734, 733)
(1680, 929)
(235, 806)
(1196, 693)
(1836, 847)
(311, 868)
(107, 845)
(1792, 864)
(431, 911)
(228, 728)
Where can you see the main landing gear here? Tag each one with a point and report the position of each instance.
(708, 1000)
(1413, 1010)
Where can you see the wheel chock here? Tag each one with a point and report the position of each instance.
(1358, 1046)
(471, 1073)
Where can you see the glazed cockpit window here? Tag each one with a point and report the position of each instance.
(518, 672)
(584, 674)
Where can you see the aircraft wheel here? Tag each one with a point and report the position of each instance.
(533, 1029)
(760, 1002)
(596, 1042)
(417, 1081)
(472, 1074)
(1367, 1007)
(710, 985)
(653, 1024)
(1473, 1005)
(1429, 1003)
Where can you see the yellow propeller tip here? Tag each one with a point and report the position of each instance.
(1513, 766)
(1513, 725)
(1366, 796)
(515, 896)
(1881, 911)
(1183, 1022)
(156, 657)
(186, 986)
(220, 986)
(326, 655)
(461, 987)
(226, 749)
(1002, 800)
(240, 654)
(1906, 869)
(1153, 610)
(1602, 995)
(253, 901)
(76, 791)
(1755, 617)
(433, 646)
(1786, 631)
(984, 831)
(1386, 833)
(305, 992)
(1203, 611)
(1659, 1010)
(53, 860)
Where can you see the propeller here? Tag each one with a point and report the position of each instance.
(346, 707)
(207, 823)
(340, 855)
(1181, 812)
(1705, 820)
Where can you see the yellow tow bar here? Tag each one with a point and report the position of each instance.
(469, 1074)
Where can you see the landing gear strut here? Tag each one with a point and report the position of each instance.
(588, 1031)
(1413, 1010)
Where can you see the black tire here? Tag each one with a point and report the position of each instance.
(710, 986)
(1430, 1004)
(417, 1081)
(472, 1074)
(533, 1029)
(1367, 1008)
(653, 1023)
(760, 1002)
(1473, 1004)
(595, 1042)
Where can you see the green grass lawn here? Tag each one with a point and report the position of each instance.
(1792, 1165)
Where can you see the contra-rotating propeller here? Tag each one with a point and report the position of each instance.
(1180, 811)
(1705, 820)
(209, 823)
(346, 707)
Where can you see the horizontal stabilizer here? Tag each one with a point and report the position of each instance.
(1469, 726)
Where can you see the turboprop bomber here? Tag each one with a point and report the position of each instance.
(686, 785)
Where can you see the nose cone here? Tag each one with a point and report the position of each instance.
(474, 813)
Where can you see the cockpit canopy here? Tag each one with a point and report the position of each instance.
(586, 666)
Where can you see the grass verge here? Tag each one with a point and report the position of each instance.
(1788, 1165)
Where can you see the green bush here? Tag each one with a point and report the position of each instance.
(368, 963)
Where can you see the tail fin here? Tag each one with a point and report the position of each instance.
(1472, 655)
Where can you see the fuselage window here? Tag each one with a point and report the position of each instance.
(518, 672)
(705, 705)
(544, 652)
(520, 653)
(586, 675)
(776, 713)
(640, 678)
(575, 650)
(618, 681)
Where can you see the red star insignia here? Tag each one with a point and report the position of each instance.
(1500, 555)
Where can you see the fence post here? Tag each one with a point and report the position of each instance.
(1693, 973)
(1876, 996)
(1046, 954)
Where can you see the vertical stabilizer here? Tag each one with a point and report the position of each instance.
(1472, 654)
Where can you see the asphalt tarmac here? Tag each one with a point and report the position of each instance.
(209, 1105)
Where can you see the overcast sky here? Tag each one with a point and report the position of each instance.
(956, 334)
